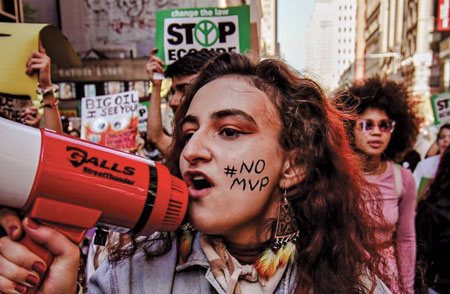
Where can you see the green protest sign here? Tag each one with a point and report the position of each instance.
(441, 107)
(183, 30)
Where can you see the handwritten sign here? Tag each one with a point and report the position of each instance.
(111, 120)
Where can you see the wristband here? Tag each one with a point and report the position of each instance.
(52, 104)
(47, 90)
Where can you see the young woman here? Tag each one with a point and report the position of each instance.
(275, 199)
(385, 128)
(433, 232)
(426, 169)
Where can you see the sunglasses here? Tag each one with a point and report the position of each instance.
(385, 125)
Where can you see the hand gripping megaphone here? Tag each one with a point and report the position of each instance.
(73, 185)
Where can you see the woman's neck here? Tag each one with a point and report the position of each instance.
(372, 165)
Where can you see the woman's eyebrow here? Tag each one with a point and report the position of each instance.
(189, 119)
(233, 112)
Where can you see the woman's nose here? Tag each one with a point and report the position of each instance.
(197, 148)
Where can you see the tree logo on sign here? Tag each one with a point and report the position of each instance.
(206, 33)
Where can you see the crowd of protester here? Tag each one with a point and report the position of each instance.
(347, 205)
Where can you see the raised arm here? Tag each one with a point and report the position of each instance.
(155, 132)
(40, 62)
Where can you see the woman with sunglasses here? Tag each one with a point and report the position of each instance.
(385, 127)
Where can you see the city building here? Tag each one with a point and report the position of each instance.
(331, 41)
(269, 38)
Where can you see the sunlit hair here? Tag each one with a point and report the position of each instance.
(336, 243)
(391, 97)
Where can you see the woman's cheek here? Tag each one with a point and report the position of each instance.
(248, 175)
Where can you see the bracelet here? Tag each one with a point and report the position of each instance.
(52, 104)
(47, 90)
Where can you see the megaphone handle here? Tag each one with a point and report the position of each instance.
(39, 251)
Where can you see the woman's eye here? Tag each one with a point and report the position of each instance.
(230, 132)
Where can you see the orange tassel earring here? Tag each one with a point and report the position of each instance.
(283, 251)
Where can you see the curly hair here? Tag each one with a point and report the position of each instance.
(392, 98)
(336, 241)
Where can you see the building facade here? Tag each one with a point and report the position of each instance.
(269, 37)
(331, 41)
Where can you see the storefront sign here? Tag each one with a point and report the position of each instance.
(443, 16)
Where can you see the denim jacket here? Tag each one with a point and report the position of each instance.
(137, 275)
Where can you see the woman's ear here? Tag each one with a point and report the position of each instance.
(291, 175)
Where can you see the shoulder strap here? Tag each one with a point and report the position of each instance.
(398, 179)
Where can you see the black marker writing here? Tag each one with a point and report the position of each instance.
(230, 171)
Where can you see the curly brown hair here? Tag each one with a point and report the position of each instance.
(336, 241)
(391, 97)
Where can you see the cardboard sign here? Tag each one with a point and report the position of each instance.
(180, 31)
(11, 106)
(111, 120)
(441, 107)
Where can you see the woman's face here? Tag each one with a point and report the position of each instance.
(443, 140)
(232, 160)
(372, 132)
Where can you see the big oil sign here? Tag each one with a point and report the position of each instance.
(180, 31)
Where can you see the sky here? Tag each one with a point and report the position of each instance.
(293, 20)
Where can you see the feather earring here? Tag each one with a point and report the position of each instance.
(185, 242)
(283, 250)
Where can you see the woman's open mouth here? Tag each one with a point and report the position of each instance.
(199, 185)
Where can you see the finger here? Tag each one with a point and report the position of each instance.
(31, 65)
(158, 60)
(18, 264)
(56, 243)
(10, 221)
(8, 286)
(159, 68)
(153, 51)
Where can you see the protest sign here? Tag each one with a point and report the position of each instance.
(183, 30)
(17, 40)
(441, 107)
(11, 106)
(111, 120)
(143, 114)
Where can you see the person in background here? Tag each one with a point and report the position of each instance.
(410, 159)
(433, 233)
(65, 122)
(182, 72)
(275, 199)
(75, 133)
(426, 169)
(385, 127)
